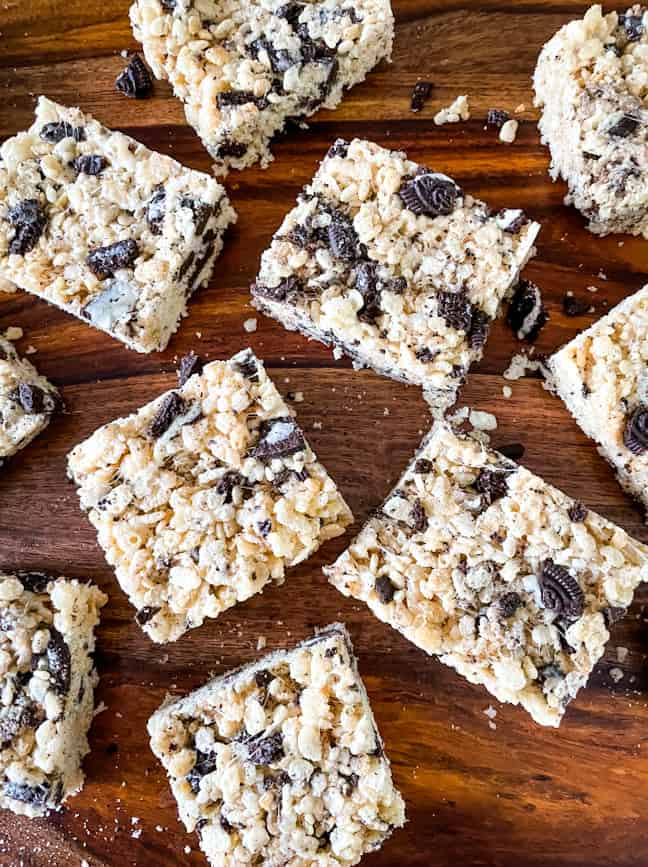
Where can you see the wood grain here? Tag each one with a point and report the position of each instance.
(514, 796)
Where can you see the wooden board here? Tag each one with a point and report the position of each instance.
(510, 796)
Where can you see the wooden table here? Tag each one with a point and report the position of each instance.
(511, 794)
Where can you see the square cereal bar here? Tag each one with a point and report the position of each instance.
(602, 376)
(205, 495)
(27, 401)
(47, 678)
(394, 265)
(591, 83)
(281, 762)
(505, 578)
(244, 69)
(104, 228)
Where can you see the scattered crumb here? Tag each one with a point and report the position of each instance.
(386, 411)
(337, 353)
(136, 834)
(519, 365)
(199, 335)
(420, 93)
(521, 107)
(297, 396)
(85, 863)
(490, 712)
(164, 659)
(317, 425)
(250, 325)
(482, 420)
(620, 243)
(622, 654)
(592, 288)
(507, 391)
(134, 820)
(187, 850)
(261, 642)
(100, 708)
(31, 350)
(13, 333)
(508, 132)
(616, 674)
(602, 275)
(123, 53)
(455, 112)
(459, 415)
(492, 725)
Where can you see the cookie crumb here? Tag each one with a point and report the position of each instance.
(616, 674)
(317, 425)
(455, 112)
(481, 420)
(508, 132)
(31, 350)
(622, 654)
(519, 365)
(261, 642)
(507, 391)
(250, 325)
(420, 93)
(490, 712)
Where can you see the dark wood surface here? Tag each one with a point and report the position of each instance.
(513, 796)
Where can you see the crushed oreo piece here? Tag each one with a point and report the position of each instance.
(265, 750)
(509, 603)
(15, 718)
(342, 237)
(420, 93)
(425, 354)
(205, 764)
(430, 193)
(546, 672)
(227, 147)
(613, 614)
(339, 148)
(115, 303)
(189, 364)
(635, 435)
(57, 130)
(280, 59)
(511, 220)
(456, 310)
(512, 451)
(526, 315)
(26, 794)
(418, 517)
(36, 582)
(624, 127)
(577, 513)
(228, 483)
(497, 117)
(633, 26)
(561, 592)
(247, 367)
(263, 678)
(366, 282)
(384, 589)
(492, 484)
(32, 399)
(155, 210)
(135, 81)
(287, 290)
(278, 438)
(573, 306)
(104, 261)
(423, 466)
(234, 98)
(28, 219)
(479, 326)
(90, 164)
(171, 408)
(59, 661)
(147, 613)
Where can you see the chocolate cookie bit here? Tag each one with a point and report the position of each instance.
(36, 795)
(418, 517)
(423, 466)
(248, 368)
(205, 764)
(28, 219)
(189, 364)
(561, 592)
(288, 289)
(478, 331)
(624, 127)
(342, 237)
(420, 93)
(90, 164)
(456, 310)
(497, 117)
(511, 220)
(509, 603)
(265, 750)
(147, 613)
(59, 661)
(135, 81)
(278, 438)
(56, 131)
(35, 582)
(430, 193)
(155, 210)
(573, 306)
(635, 435)
(31, 399)
(235, 98)
(230, 148)
(512, 451)
(15, 718)
(577, 513)
(492, 484)
(633, 26)
(339, 148)
(526, 315)
(613, 614)
(263, 678)
(366, 282)
(104, 261)
(171, 408)
(384, 589)
(228, 483)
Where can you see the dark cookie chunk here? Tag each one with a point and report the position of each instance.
(28, 219)
(90, 164)
(633, 26)
(170, 409)
(147, 613)
(573, 306)
(15, 718)
(430, 193)
(135, 81)
(230, 148)
(155, 210)
(263, 678)
(228, 483)
(526, 315)
(290, 12)
(59, 661)
(546, 672)
(420, 93)
(265, 750)
(286, 475)
(26, 794)
(384, 589)
(423, 466)
(512, 220)
(104, 261)
(280, 59)
(366, 282)
(287, 290)
(624, 127)
(635, 435)
(577, 513)
(512, 451)
(189, 364)
(278, 438)
(425, 354)
(613, 614)
(342, 237)
(57, 130)
(36, 582)
(492, 484)
(509, 603)
(205, 764)
(339, 148)
(201, 212)
(560, 592)
(264, 527)
(31, 398)
(497, 117)
(247, 367)
(233, 98)
(418, 517)
(455, 309)
(478, 331)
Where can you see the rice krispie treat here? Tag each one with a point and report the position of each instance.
(281, 762)
(104, 228)
(591, 83)
(27, 401)
(243, 69)
(602, 376)
(394, 265)
(47, 678)
(505, 578)
(205, 495)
